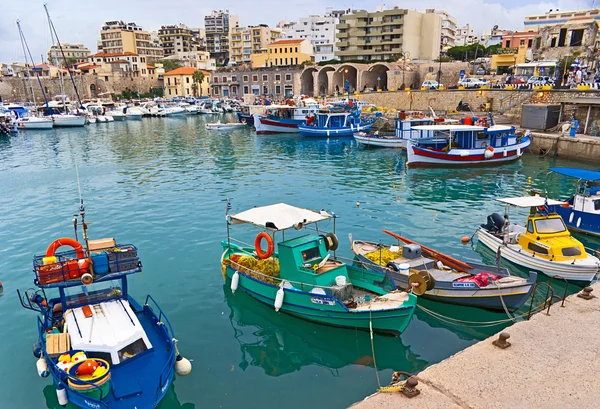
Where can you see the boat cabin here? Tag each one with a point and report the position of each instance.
(446, 137)
(335, 120)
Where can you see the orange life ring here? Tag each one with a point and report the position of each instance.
(490, 149)
(270, 246)
(421, 115)
(478, 123)
(65, 241)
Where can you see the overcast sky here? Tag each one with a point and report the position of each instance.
(80, 21)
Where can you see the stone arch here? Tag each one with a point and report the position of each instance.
(307, 81)
(375, 71)
(346, 72)
(323, 86)
(93, 91)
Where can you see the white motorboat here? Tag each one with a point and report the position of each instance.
(109, 118)
(116, 115)
(191, 110)
(91, 119)
(68, 120)
(133, 113)
(172, 111)
(544, 245)
(224, 126)
(34, 122)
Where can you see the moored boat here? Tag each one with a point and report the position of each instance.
(544, 245)
(282, 118)
(335, 124)
(466, 145)
(581, 212)
(398, 139)
(68, 120)
(304, 280)
(103, 348)
(225, 126)
(34, 122)
(442, 278)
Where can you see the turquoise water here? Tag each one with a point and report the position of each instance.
(160, 183)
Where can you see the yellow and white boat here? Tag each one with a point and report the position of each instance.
(544, 244)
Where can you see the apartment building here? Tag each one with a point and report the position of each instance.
(218, 27)
(71, 51)
(383, 35)
(284, 53)
(245, 41)
(465, 35)
(177, 39)
(110, 66)
(120, 37)
(449, 29)
(277, 82)
(180, 82)
(551, 18)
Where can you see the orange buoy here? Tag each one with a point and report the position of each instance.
(465, 239)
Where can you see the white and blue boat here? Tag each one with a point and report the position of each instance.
(581, 212)
(103, 349)
(339, 124)
(403, 132)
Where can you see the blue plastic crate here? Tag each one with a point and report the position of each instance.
(100, 263)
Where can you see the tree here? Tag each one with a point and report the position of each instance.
(198, 77)
(170, 65)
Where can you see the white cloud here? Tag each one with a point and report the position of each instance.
(80, 22)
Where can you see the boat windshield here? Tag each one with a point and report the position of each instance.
(545, 226)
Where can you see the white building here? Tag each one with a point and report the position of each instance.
(218, 27)
(465, 35)
(449, 29)
(319, 30)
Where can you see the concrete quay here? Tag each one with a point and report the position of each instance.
(553, 362)
(580, 147)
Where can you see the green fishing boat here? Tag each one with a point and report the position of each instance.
(304, 279)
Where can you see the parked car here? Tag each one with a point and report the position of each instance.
(540, 80)
(471, 83)
(481, 71)
(430, 84)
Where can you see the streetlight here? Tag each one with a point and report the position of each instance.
(404, 56)
(344, 80)
(440, 67)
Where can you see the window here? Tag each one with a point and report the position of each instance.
(265, 90)
(286, 50)
(529, 43)
(280, 50)
(286, 62)
(530, 226)
(545, 226)
(169, 91)
(561, 37)
(255, 78)
(246, 89)
(187, 80)
(275, 50)
(234, 79)
(216, 91)
(537, 249)
(105, 79)
(168, 81)
(245, 78)
(507, 44)
(576, 38)
(297, 47)
(277, 77)
(288, 77)
(296, 61)
(176, 91)
(553, 42)
(265, 77)
(132, 350)
(596, 202)
(571, 251)
(522, 42)
(224, 79)
(277, 89)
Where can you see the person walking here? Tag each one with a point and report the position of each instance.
(578, 76)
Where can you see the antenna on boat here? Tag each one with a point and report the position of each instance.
(82, 214)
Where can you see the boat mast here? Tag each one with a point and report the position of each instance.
(37, 75)
(25, 55)
(53, 30)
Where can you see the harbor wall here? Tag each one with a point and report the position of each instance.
(551, 363)
(17, 89)
(579, 147)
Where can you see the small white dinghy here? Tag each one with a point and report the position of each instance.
(224, 126)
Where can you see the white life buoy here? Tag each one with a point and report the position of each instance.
(279, 299)
(235, 281)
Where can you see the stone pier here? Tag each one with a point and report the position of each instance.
(553, 362)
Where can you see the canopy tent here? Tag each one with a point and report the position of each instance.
(279, 216)
(584, 174)
(530, 201)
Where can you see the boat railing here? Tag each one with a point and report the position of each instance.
(65, 377)
(167, 370)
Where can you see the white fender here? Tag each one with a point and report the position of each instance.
(235, 280)
(488, 154)
(42, 367)
(571, 217)
(505, 153)
(61, 394)
(279, 299)
(519, 151)
(579, 222)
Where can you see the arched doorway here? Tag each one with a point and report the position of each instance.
(93, 91)
(376, 77)
(323, 80)
(345, 75)
(307, 82)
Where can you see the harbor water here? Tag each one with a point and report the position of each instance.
(161, 184)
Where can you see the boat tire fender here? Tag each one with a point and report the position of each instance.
(270, 246)
(87, 279)
(331, 242)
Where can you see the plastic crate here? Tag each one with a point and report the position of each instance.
(65, 268)
(122, 259)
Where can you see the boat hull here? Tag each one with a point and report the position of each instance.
(579, 273)
(43, 124)
(265, 125)
(324, 309)
(68, 120)
(464, 157)
(370, 140)
(576, 220)
(249, 119)
(347, 131)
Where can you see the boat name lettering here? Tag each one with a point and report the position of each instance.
(92, 404)
(463, 285)
(542, 245)
(322, 301)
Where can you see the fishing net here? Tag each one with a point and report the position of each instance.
(250, 266)
(383, 256)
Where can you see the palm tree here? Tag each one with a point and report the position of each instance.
(198, 77)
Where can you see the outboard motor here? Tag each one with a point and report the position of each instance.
(494, 224)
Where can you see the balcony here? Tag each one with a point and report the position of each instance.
(343, 43)
(361, 24)
(342, 26)
(342, 35)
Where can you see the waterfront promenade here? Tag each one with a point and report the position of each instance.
(552, 363)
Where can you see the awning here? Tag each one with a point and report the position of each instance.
(279, 216)
(584, 174)
(530, 201)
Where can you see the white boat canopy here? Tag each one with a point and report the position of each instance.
(279, 216)
(456, 127)
(530, 201)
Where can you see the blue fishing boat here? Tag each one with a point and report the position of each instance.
(103, 349)
(327, 124)
(581, 212)
(244, 115)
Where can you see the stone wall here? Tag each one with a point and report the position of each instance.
(580, 148)
(17, 89)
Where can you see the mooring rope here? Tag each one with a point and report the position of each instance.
(373, 347)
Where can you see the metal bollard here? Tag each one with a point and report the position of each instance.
(410, 388)
(586, 294)
(502, 342)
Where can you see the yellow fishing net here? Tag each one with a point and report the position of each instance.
(383, 256)
(249, 265)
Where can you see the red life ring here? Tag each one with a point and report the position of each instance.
(270, 246)
(542, 208)
(421, 115)
(65, 241)
(490, 149)
(478, 122)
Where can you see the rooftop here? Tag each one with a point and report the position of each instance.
(185, 71)
(283, 42)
